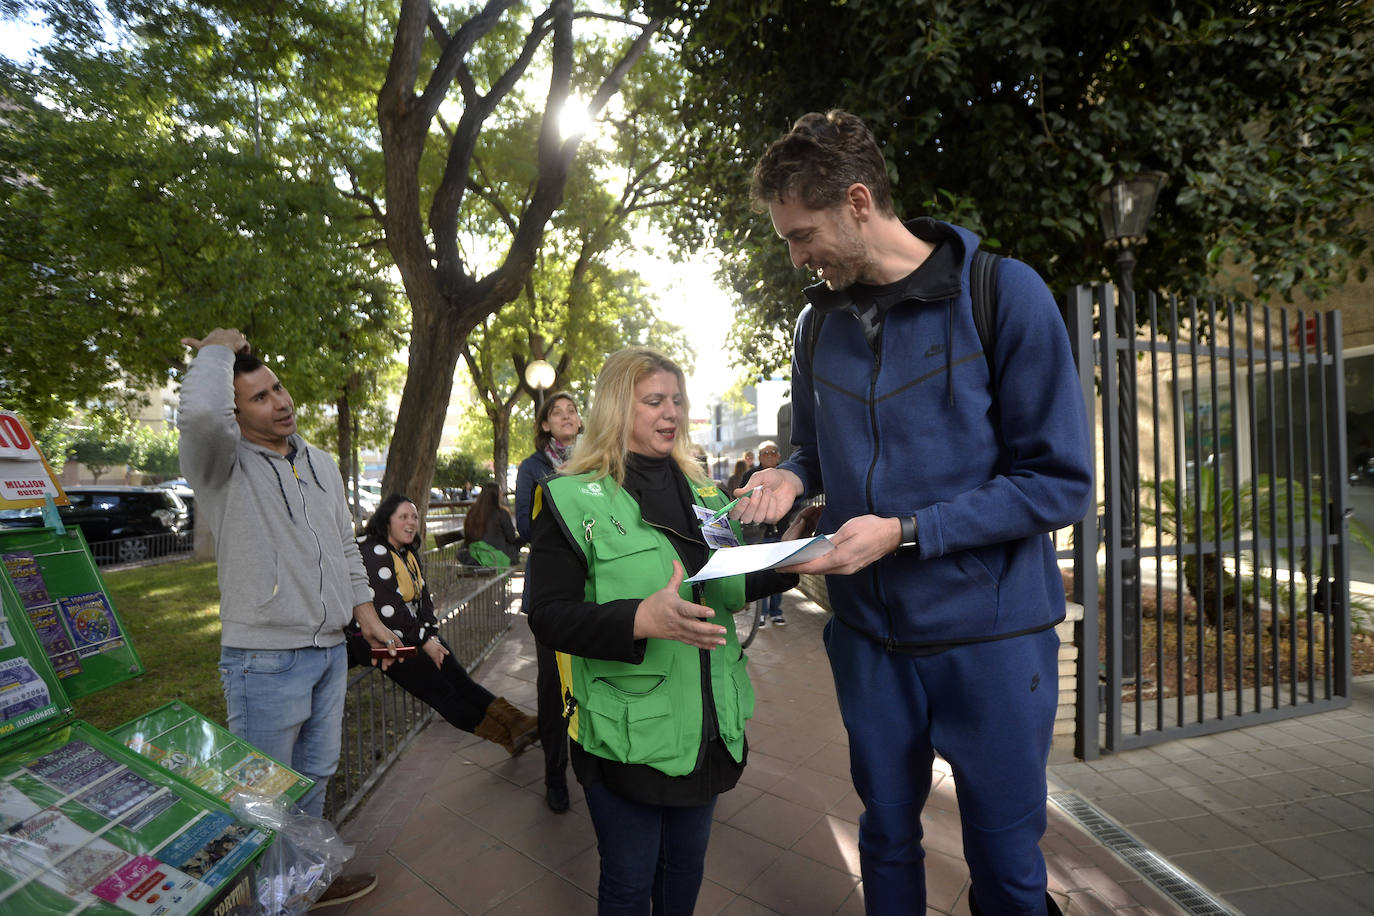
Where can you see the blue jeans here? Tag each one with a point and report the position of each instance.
(288, 703)
(650, 854)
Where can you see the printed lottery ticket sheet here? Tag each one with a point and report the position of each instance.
(182, 741)
(54, 597)
(85, 823)
(23, 570)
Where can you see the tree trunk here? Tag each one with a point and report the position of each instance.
(434, 350)
(347, 469)
(500, 448)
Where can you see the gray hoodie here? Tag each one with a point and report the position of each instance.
(289, 570)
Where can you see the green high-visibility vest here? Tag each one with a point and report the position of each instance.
(648, 713)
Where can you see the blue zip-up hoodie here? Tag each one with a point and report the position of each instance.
(912, 426)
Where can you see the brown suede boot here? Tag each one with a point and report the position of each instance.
(522, 729)
(494, 730)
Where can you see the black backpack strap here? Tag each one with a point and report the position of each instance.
(983, 292)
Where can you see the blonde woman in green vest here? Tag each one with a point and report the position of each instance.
(652, 673)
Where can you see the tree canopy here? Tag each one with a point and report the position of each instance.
(456, 81)
(168, 180)
(1004, 116)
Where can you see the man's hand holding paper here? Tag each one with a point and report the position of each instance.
(859, 542)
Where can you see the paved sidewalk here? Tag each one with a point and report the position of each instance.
(1275, 818)
(458, 827)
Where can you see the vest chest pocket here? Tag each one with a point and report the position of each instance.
(631, 719)
(624, 567)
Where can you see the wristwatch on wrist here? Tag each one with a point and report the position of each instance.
(908, 532)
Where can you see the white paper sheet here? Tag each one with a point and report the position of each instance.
(734, 561)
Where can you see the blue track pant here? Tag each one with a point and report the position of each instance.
(988, 709)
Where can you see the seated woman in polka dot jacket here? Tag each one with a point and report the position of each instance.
(390, 548)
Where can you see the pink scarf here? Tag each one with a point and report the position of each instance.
(558, 452)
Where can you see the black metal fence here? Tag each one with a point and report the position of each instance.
(138, 550)
(474, 607)
(1227, 587)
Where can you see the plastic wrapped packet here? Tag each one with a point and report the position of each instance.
(306, 855)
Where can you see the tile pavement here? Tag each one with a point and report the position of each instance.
(1274, 818)
(458, 827)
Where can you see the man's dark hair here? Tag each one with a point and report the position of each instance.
(818, 160)
(245, 363)
(379, 525)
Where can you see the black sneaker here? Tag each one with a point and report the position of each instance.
(779, 621)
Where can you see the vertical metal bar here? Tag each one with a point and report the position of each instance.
(1306, 496)
(1199, 533)
(1158, 479)
(1340, 586)
(1252, 415)
(1218, 518)
(1290, 525)
(1180, 490)
(1237, 529)
(1273, 557)
(1111, 480)
(1079, 311)
(1323, 568)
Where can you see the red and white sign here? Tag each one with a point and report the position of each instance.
(25, 478)
(1305, 329)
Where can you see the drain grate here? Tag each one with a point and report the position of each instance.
(1177, 885)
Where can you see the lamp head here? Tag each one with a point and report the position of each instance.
(1124, 208)
(540, 375)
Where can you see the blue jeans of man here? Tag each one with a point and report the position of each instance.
(988, 709)
(653, 857)
(288, 703)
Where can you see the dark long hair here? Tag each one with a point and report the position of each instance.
(480, 515)
(378, 526)
(542, 435)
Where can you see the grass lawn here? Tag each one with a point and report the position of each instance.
(171, 612)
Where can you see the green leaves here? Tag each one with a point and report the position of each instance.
(179, 180)
(1005, 120)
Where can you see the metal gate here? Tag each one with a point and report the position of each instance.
(1226, 593)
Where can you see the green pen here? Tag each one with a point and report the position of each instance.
(728, 506)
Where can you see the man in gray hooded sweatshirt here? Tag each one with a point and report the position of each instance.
(290, 575)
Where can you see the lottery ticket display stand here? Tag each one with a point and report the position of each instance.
(135, 820)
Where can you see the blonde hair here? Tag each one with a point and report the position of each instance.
(606, 428)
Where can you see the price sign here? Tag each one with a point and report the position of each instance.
(15, 441)
(25, 478)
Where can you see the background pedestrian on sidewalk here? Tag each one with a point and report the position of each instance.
(556, 428)
(767, 532)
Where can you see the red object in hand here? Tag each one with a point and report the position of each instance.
(401, 652)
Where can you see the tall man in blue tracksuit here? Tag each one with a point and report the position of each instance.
(942, 478)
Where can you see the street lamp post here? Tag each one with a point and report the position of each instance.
(540, 376)
(1124, 208)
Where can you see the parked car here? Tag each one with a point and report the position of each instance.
(365, 504)
(122, 524)
(183, 489)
